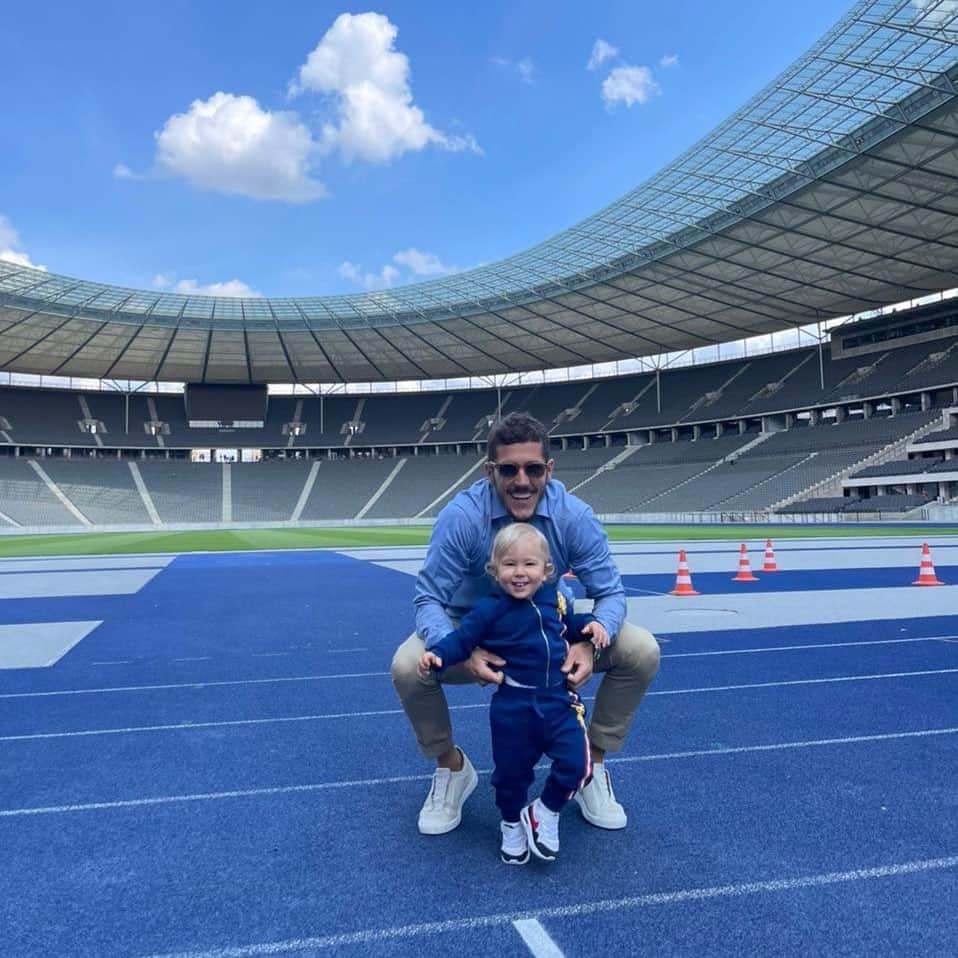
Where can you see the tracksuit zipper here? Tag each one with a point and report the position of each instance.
(545, 640)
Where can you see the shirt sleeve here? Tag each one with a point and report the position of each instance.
(445, 567)
(593, 565)
(456, 646)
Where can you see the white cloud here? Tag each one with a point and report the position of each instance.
(9, 241)
(350, 271)
(422, 264)
(122, 172)
(357, 65)
(669, 60)
(601, 51)
(232, 287)
(526, 69)
(385, 277)
(229, 144)
(416, 262)
(192, 287)
(19, 259)
(629, 85)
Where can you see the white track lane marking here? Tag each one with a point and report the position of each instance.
(825, 681)
(401, 779)
(802, 648)
(537, 938)
(680, 896)
(227, 723)
(192, 685)
(199, 685)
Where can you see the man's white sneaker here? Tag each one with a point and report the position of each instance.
(542, 830)
(442, 810)
(514, 849)
(597, 801)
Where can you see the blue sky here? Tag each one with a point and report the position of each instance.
(300, 148)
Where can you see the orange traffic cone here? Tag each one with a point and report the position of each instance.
(926, 575)
(683, 579)
(770, 565)
(744, 569)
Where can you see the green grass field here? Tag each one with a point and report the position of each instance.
(230, 540)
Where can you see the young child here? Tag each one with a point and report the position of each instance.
(533, 711)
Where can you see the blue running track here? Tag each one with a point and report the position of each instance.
(221, 768)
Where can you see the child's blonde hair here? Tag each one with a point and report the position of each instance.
(508, 536)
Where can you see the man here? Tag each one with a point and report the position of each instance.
(518, 486)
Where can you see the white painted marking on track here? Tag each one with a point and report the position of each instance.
(537, 939)
(191, 685)
(38, 645)
(119, 662)
(83, 563)
(787, 682)
(809, 646)
(771, 610)
(49, 585)
(371, 936)
(201, 686)
(404, 779)
(195, 658)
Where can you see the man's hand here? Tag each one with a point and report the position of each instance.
(597, 632)
(578, 663)
(478, 666)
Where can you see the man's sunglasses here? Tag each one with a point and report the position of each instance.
(509, 470)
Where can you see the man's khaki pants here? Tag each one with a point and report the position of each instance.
(628, 666)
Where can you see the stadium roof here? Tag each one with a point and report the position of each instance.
(832, 191)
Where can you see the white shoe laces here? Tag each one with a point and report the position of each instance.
(440, 785)
(604, 784)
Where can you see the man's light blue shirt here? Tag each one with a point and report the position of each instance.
(453, 577)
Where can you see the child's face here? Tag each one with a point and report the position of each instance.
(521, 569)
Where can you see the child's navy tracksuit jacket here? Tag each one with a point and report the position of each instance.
(533, 711)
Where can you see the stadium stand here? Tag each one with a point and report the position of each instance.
(343, 487)
(266, 491)
(889, 504)
(743, 435)
(184, 492)
(421, 480)
(26, 500)
(939, 435)
(103, 490)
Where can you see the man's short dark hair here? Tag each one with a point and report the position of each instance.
(514, 428)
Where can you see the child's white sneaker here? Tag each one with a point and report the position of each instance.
(542, 830)
(514, 849)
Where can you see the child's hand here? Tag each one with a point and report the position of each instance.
(597, 633)
(427, 663)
